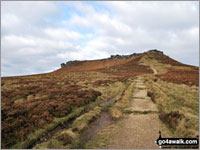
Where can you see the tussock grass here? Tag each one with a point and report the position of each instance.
(23, 99)
(70, 138)
(81, 123)
(102, 139)
(129, 111)
(33, 137)
(153, 63)
(117, 110)
(113, 91)
(179, 98)
(66, 88)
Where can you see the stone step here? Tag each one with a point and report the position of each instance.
(146, 98)
(140, 86)
(139, 83)
(139, 104)
(140, 93)
(146, 111)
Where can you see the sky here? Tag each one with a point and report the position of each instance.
(37, 36)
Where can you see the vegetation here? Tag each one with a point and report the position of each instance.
(120, 106)
(178, 105)
(69, 138)
(127, 69)
(31, 102)
(34, 136)
(53, 110)
(181, 76)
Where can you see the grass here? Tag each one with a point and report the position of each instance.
(31, 102)
(81, 123)
(33, 137)
(102, 138)
(129, 111)
(180, 76)
(152, 63)
(117, 110)
(25, 101)
(70, 138)
(179, 98)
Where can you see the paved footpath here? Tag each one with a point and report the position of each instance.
(139, 130)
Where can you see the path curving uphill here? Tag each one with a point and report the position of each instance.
(154, 71)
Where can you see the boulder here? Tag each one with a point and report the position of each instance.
(62, 65)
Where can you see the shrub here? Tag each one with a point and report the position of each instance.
(150, 94)
(172, 118)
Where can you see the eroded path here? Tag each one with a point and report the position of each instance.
(154, 70)
(139, 129)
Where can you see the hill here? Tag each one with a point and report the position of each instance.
(58, 109)
(122, 65)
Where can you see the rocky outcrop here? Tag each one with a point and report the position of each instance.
(155, 54)
(70, 63)
(62, 65)
(151, 53)
(155, 51)
(115, 57)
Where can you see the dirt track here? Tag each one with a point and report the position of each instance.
(139, 130)
(154, 70)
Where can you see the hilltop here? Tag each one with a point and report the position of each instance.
(113, 57)
(111, 61)
(90, 103)
(138, 64)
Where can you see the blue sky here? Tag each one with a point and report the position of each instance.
(38, 36)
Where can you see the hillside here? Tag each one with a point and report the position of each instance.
(122, 65)
(84, 104)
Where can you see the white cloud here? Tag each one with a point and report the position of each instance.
(62, 34)
(17, 42)
(31, 11)
(8, 21)
(164, 15)
(38, 36)
(78, 21)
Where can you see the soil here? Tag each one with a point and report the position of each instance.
(104, 120)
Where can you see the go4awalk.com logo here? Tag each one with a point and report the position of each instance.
(168, 142)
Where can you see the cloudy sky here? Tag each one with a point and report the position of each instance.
(37, 37)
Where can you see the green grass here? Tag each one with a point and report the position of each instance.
(81, 123)
(102, 139)
(113, 91)
(118, 109)
(177, 97)
(129, 111)
(33, 137)
(69, 138)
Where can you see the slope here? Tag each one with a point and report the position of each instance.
(38, 109)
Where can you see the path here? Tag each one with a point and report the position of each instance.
(154, 70)
(139, 130)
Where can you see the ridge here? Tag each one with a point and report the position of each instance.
(112, 57)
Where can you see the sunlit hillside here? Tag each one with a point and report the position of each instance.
(83, 104)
